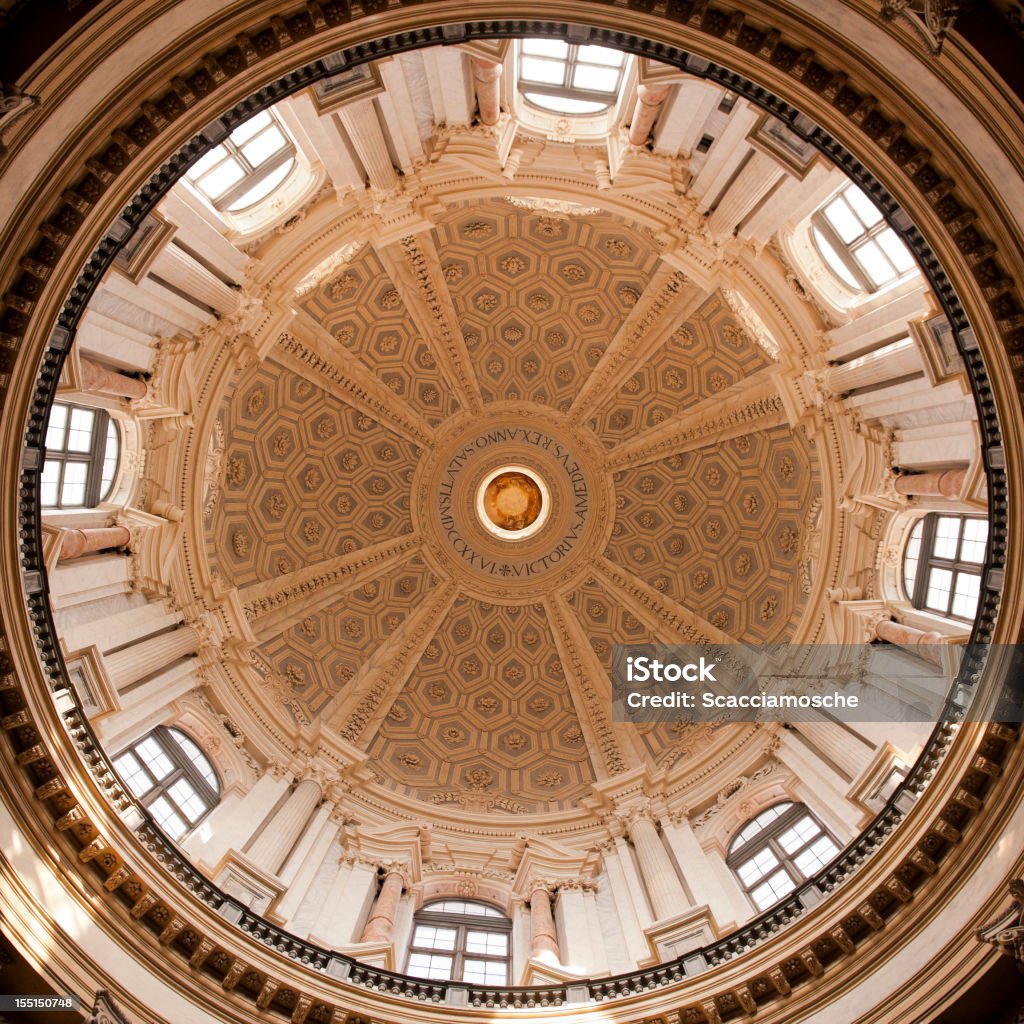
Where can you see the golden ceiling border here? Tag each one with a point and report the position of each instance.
(60, 235)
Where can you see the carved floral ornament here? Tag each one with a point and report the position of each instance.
(282, 35)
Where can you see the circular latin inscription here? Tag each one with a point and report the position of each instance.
(505, 507)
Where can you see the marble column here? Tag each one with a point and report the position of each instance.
(751, 185)
(622, 894)
(845, 749)
(152, 655)
(919, 643)
(486, 82)
(819, 786)
(99, 379)
(381, 925)
(656, 868)
(712, 883)
(348, 899)
(275, 842)
(581, 943)
(891, 362)
(75, 543)
(946, 483)
(649, 101)
(543, 935)
(231, 823)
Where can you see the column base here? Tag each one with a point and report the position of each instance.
(374, 954)
(540, 972)
(674, 937)
(247, 883)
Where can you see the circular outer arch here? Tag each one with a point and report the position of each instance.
(993, 317)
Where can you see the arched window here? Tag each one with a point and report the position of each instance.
(172, 777)
(942, 564)
(247, 166)
(81, 457)
(459, 940)
(857, 244)
(566, 78)
(777, 850)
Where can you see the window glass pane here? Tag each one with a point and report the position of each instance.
(598, 79)
(154, 758)
(550, 72)
(48, 483)
(798, 835)
(564, 104)
(430, 965)
(757, 867)
(219, 180)
(492, 943)
(835, 264)
(966, 594)
(772, 890)
(912, 557)
(815, 857)
(264, 146)
(432, 937)
(189, 802)
(136, 778)
(947, 533)
(759, 823)
(255, 124)
(204, 163)
(197, 757)
(109, 467)
(55, 426)
(939, 585)
(897, 252)
(263, 187)
(485, 972)
(972, 549)
(601, 55)
(80, 430)
(461, 907)
(841, 217)
(547, 47)
(875, 265)
(72, 491)
(866, 210)
(167, 817)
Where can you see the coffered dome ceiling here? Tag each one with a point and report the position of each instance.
(585, 357)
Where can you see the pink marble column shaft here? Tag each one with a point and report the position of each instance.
(486, 79)
(649, 101)
(946, 483)
(917, 641)
(102, 380)
(543, 937)
(381, 925)
(75, 543)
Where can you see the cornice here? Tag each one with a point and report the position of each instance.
(67, 227)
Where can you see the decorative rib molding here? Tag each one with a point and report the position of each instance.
(749, 405)
(371, 692)
(416, 273)
(671, 621)
(582, 669)
(667, 300)
(308, 350)
(273, 606)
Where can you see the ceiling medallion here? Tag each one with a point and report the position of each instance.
(513, 502)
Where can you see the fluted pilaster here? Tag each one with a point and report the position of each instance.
(275, 842)
(152, 655)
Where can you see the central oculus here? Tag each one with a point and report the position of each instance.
(512, 502)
